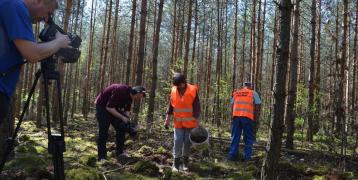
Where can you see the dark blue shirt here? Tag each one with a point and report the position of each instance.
(115, 96)
(15, 23)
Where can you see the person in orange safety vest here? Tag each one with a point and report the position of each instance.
(184, 107)
(245, 111)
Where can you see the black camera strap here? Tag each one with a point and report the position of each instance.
(12, 69)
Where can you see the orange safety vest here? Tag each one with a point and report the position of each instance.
(244, 103)
(183, 107)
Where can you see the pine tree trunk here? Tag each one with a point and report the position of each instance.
(292, 89)
(87, 77)
(234, 59)
(194, 44)
(187, 42)
(139, 71)
(130, 46)
(311, 88)
(253, 42)
(270, 170)
(242, 74)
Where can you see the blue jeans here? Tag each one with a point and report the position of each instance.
(105, 119)
(181, 142)
(239, 125)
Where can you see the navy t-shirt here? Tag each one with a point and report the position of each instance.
(15, 23)
(115, 96)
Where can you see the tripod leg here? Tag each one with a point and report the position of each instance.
(10, 142)
(56, 145)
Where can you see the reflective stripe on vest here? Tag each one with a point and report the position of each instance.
(244, 103)
(185, 119)
(178, 110)
(183, 106)
(243, 109)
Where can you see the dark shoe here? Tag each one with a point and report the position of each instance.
(185, 163)
(233, 158)
(176, 164)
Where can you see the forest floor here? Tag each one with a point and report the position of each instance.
(149, 157)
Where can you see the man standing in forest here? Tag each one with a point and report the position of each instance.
(17, 42)
(113, 107)
(245, 111)
(184, 105)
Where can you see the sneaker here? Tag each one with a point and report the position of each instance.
(102, 161)
(176, 164)
(185, 163)
(232, 159)
(122, 155)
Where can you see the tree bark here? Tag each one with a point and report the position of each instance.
(270, 170)
(290, 114)
(139, 71)
(187, 42)
(311, 88)
(130, 46)
(155, 64)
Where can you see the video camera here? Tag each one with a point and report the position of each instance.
(69, 55)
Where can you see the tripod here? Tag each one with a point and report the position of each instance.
(56, 143)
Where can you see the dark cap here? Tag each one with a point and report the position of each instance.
(178, 79)
(138, 89)
(248, 84)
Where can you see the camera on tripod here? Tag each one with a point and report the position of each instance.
(68, 55)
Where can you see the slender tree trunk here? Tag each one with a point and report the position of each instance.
(311, 88)
(242, 75)
(337, 107)
(270, 170)
(354, 85)
(172, 60)
(234, 59)
(187, 42)
(340, 113)
(87, 78)
(258, 60)
(218, 64)
(155, 64)
(194, 44)
(317, 88)
(101, 59)
(253, 42)
(130, 46)
(139, 71)
(292, 92)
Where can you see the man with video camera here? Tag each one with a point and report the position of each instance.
(113, 107)
(17, 42)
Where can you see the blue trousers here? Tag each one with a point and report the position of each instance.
(239, 125)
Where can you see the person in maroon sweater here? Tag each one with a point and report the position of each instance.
(113, 107)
